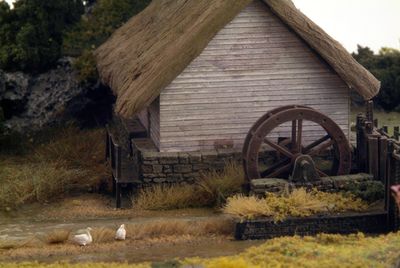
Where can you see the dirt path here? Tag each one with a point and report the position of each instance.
(27, 234)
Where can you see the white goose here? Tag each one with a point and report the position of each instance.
(83, 239)
(121, 233)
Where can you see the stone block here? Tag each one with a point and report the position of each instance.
(209, 157)
(150, 162)
(171, 159)
(159, 180)
(167, 169)
(147, 168)
(200, 167)
(150, 156)
(182, 168)
(158, 169)
(174, 178)
(194, 157)
(268, 185)
(226, 153)
(183, 158)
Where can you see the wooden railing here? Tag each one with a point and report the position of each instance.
(114, 158)
(378, 153)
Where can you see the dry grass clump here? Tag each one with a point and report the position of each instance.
(56, 236)
(321, 251)
(211, 189)
(165, 228)
(298, 203)
(69, 159)
(164, 197)
(23, 183)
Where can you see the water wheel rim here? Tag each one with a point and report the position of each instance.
(270, 121)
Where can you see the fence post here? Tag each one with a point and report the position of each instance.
(396, 133)
(394, 179)
(383, 158)
(373, 156)
(361, 143)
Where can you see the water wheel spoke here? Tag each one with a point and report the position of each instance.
(316, 143)
(279, 171)
(272, 168)
(299, 135)
(321, 148)
(294, 130)
(279, 148)
(321, 173)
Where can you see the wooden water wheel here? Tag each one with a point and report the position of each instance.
(330, 150)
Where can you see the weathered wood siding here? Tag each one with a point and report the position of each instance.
(150, 119)
(143, 116)
(253, 65)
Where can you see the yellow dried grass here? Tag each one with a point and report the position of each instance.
(211, 189)
(299, 203)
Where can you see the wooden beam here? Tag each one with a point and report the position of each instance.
(373, 156)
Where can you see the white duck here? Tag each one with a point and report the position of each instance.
(121, 233)
(83, 239)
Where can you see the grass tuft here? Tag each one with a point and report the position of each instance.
(57, 236)
(298, 203)
(69, 159)
(212, 189)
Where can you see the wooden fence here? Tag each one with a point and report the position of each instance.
(114, 158)
(378, 153)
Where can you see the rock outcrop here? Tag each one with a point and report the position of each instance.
(32, 102)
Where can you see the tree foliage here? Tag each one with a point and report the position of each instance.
(31, 33)
(386, 67)
(94, 28)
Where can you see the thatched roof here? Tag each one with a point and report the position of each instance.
(148, 52)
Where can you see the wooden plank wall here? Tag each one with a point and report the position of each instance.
(143, 116)
(150, 119)
(253, 65)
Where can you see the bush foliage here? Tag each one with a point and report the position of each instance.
(386, 67)
(31, 33)
(94, 28)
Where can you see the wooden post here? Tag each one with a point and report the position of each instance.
(370, 111)
(394, 179)
(373, 156)
(396, 133)
(118, 195)
(361, 143)
(376, 123)
(383, 153)
(385, 129)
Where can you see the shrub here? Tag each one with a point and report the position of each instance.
(386, 67)
(298, 203)
(31, 32)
